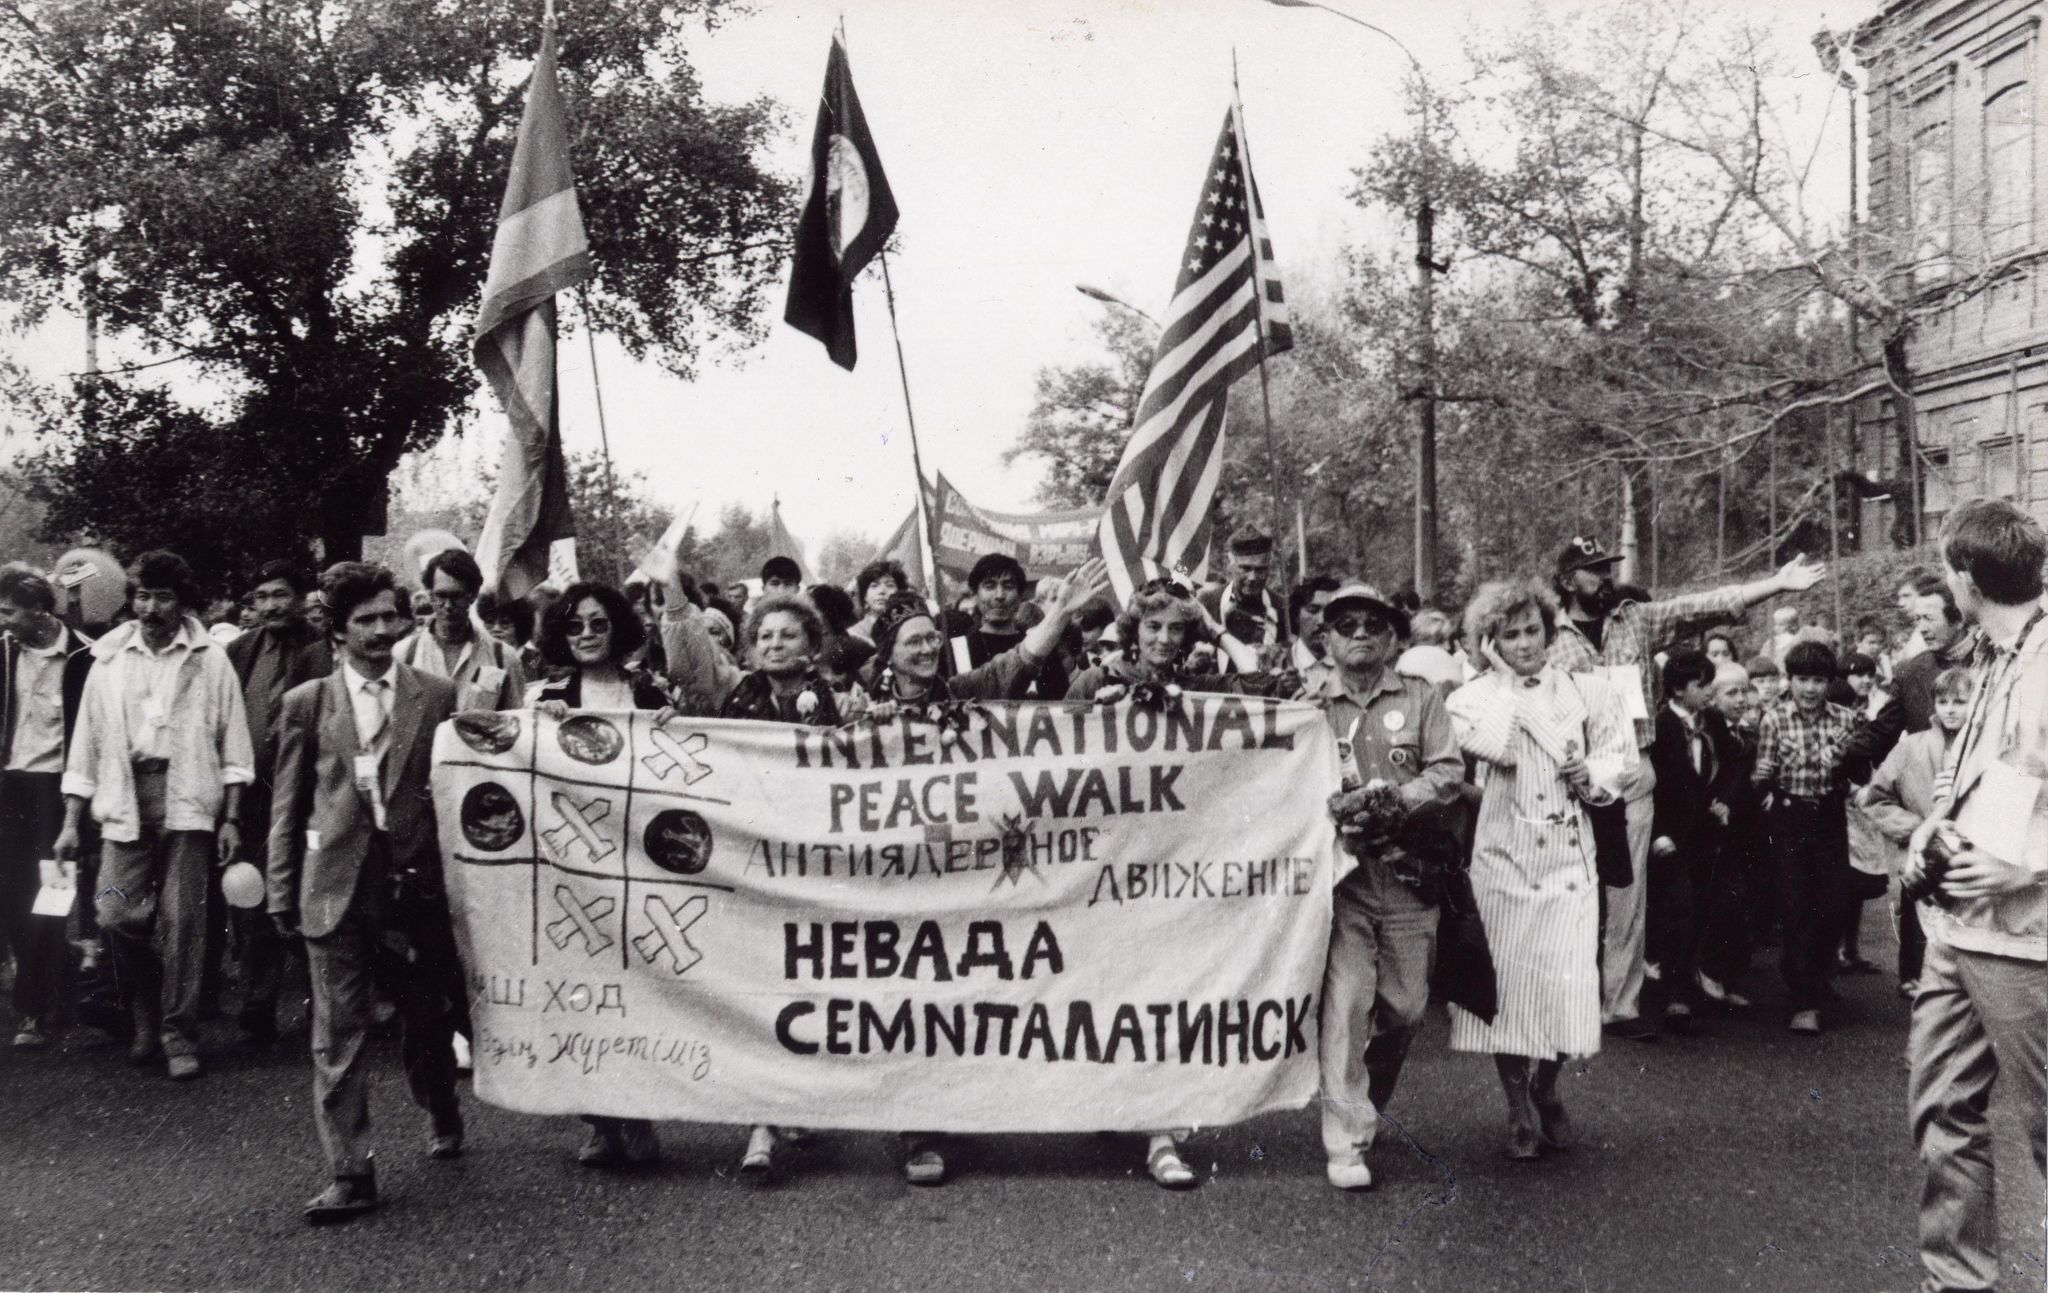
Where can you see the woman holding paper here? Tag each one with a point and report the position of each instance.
(1547, 744)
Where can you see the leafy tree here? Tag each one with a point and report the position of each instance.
(293, 202)
(841, 556)
(1081, 414)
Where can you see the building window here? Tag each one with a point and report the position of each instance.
(2008, 155)
(1933, 193)
(1997, 473)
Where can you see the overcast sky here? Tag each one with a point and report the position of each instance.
(1031, 146)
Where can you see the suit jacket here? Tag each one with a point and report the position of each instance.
(1682, 793)
(77, 664)
(321, 826)
(307, 657)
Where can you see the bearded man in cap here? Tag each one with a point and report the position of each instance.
(1600, 633)
(1245, 605)
(1391, 731)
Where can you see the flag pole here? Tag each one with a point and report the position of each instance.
(931, 547)
(1244, 145)
(604, 439)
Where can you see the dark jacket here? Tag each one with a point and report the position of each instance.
(982, 646)
(1682, 795)
(569, 690)
(1911, 708)
(77, 664)
(308, 657)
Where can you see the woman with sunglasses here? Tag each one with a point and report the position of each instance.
(1548, 743)
(588, 637)
(1158, 627)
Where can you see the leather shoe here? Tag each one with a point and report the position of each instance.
(1634, 1030)
(445, 1145)
(344, 1199)
(145, 1050)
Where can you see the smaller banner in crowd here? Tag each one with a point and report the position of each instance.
(1052, 918)
(1046, 543)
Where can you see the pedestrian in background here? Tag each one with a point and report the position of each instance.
(43, 668)
(159, 757)
(1548, 742)
(355, 870)
(1800, 746)
(1979, 1031)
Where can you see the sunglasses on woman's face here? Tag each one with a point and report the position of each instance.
(595, 624)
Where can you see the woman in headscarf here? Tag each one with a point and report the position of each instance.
(588, 637)
(1547, 743)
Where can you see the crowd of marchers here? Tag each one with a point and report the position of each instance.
(1630, 806)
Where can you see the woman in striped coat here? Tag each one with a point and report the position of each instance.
(1547, 743)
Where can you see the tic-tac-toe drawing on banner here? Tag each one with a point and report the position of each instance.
(1053, 918)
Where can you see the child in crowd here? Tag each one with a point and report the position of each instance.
(1800, 743)
(1768, 681)
(1688, 821)
(1901, 795)
(1737, 909)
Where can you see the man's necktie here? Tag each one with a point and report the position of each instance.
(380, 723)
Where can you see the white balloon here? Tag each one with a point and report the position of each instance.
(242, 885)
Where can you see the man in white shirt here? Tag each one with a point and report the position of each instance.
(43, 667)
(160, 753)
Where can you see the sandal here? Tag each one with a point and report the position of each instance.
(1169, 1169)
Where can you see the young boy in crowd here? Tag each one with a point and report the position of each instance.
(1901, 795)
(1687, 824)
(1800, 741)
(1737, 911)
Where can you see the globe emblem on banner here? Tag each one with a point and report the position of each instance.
(846, 194)
(678, 841)
(491, 820)
(589, 739)
(487, 732)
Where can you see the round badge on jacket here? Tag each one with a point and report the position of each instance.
(1395, 720)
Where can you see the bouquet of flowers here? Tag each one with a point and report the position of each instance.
(1368, 817)
(1145, 695)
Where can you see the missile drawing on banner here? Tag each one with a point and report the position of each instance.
(579, 826)
(579, 920)
(668, 932)
(671, 752)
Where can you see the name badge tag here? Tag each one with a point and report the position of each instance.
(369, 780)
(489, 679)
(312, 841)
(1627, 681)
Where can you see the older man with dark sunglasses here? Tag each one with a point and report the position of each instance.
(1391, 731)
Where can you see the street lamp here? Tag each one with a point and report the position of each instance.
(1109, 298)
(1426, 270)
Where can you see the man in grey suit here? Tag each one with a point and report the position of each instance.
(354, 868)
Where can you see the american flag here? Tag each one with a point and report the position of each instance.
(1226, 298)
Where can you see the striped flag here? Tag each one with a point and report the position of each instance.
(1226, 299)
(540, 250)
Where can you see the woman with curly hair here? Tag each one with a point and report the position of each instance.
(587, 637)
(1547, 743)
(878, 584)
(1160, 624)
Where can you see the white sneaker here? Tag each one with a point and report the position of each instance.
(1806, 1021)
(1711, 988)
(1355, 1176)
(759, 1160)
(462, 1056)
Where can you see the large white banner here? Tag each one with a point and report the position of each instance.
(1055, 918)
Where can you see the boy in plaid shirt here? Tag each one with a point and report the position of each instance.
(1800, 745)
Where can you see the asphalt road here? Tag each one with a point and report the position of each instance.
(1741, 1157)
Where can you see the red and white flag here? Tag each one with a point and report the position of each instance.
(540, 250)
(1226, 298)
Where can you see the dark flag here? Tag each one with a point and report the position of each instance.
(848, 217)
